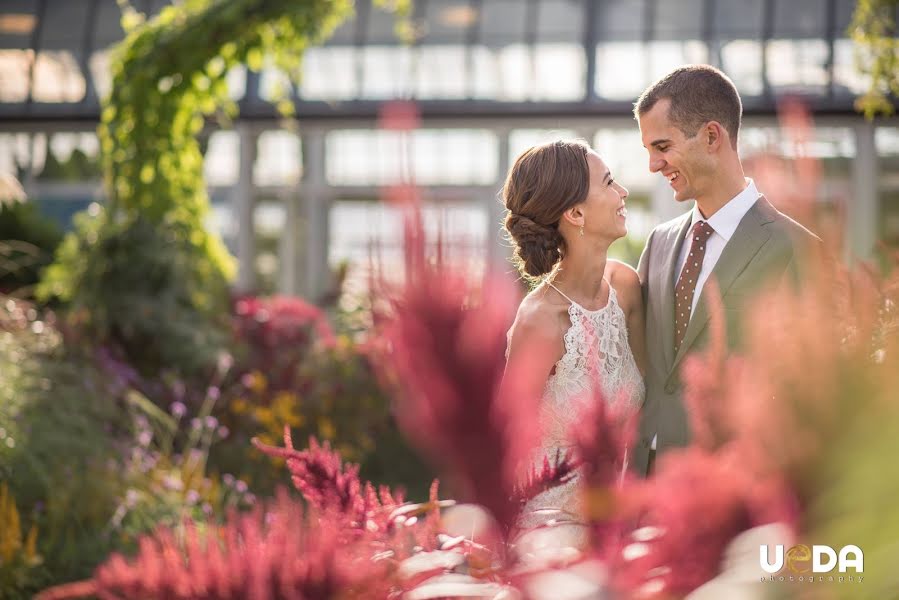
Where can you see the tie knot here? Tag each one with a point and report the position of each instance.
(702, 231)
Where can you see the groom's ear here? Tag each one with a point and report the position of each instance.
(715, 135)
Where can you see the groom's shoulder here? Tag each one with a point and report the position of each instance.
(792, 231)
(670, 227)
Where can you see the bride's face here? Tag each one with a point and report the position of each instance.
(604, 209)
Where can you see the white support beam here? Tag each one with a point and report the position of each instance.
(290, 249)
(863, 206)
(498, 249)
(243, 203)
(316, 204)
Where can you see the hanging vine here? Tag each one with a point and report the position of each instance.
(143, 269)
(873, 30)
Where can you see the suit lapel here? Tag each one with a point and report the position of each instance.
(674, 240)
(745, 243)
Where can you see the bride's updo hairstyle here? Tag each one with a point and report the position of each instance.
(544, 182)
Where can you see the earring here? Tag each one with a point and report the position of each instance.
(582, 230)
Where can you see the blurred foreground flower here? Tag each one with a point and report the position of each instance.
(268, 554)
(444, 350)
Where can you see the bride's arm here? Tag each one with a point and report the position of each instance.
(535, 344)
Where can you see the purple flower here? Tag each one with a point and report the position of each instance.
(213, 392)
(172, 483)
(178, 408)
(144, 438)
(223, 432)
(131, 498)
(192, 497)
(195, 423)
(211, 422)
(228, 478)
(241, 486)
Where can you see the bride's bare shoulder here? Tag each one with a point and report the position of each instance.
(538, 315)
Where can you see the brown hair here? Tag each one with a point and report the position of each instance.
(544, 182)
(698, 94)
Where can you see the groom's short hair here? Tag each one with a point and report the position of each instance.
(698, 94)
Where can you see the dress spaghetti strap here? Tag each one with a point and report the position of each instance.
(550, 284)
(608, 301)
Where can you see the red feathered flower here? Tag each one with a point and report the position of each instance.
(445, 342)
(271, 555)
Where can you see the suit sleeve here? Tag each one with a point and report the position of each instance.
(805, 247)
(643, 267)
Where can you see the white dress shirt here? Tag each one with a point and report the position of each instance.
(724, 223)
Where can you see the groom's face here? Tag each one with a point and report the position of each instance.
(680, 159)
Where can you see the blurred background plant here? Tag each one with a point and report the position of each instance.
(27, 240)
(18, 553)
(135, 409)
(292, 369)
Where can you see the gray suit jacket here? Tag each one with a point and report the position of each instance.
(765, 248)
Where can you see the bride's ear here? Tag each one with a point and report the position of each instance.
(574, 216)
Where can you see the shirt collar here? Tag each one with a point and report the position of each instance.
(725, 221)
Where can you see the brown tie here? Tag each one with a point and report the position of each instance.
(686, 283)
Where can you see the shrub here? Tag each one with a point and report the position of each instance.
(28, 243)
(132, 284)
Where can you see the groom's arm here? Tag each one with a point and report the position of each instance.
(643, 266)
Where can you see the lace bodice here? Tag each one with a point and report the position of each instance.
(596, 349)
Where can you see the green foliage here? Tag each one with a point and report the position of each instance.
(873, 30)
(78, 167)
(27, 246)
(18, 554)
(133, 288)
(58, 429)
(92, 464)
(336, 397)
(144, 269)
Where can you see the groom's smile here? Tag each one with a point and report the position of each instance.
(671, 153)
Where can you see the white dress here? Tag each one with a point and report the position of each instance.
(596, 349)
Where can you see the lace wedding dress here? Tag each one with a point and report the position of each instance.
(596, 349)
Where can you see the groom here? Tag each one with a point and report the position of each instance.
(689, 122)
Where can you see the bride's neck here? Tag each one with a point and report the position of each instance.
(581, 276)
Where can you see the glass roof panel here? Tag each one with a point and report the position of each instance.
(503, 22)
(844, 10)
(796, 19)
(345, 34)
(17, 22)
(679, 20)
(620, 20)
(381, 28)
(63, 27)
(560, 21)
(505, 50)
(448, 21)
(108, 28)
(738, 19)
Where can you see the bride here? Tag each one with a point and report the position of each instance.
(564, 211)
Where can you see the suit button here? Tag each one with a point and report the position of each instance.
(670, 388)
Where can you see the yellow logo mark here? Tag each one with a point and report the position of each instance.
(799, 559)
